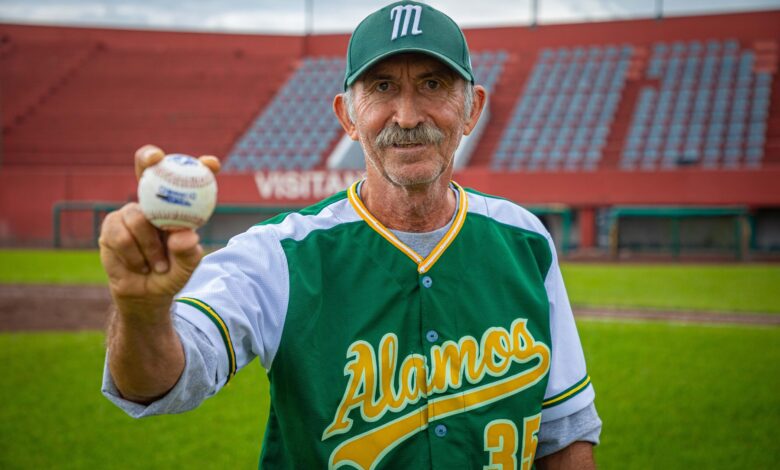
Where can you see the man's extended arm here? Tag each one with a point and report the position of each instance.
(145, 270)
(145, 355)
(576, 456)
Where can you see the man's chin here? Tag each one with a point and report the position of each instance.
(414, 170)
(408, 178)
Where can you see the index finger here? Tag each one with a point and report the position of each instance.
(147, 156)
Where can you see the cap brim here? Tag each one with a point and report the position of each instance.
(357, 73)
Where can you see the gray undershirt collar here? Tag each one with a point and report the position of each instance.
(424, 242)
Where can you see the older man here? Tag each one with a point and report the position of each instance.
(403, 322)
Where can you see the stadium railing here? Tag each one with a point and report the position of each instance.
(216, 232)
(229, 220)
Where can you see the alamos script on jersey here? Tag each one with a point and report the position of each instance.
(379, 382)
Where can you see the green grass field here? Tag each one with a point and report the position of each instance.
(671, 396)
(720, 288)
(678, 396)
(726, 287)
(51, 267)
(52, 414)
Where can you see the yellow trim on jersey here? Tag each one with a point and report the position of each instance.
(457, 224)
(357, 204)
(573, 391)
(423, 265)
(221, 326)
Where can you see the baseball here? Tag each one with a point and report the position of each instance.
(178, 192)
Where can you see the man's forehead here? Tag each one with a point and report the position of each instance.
(418, 64)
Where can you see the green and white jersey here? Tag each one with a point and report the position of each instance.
(380, 358)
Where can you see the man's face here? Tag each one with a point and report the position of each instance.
(409, 91)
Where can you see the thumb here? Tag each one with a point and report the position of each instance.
(185, 253)
(212, 162)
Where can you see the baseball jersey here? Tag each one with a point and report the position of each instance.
(378, 357)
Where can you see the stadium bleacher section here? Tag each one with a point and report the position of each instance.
(89, 99)
(297, 130)
(31, 71)
(698, 102)
(562, 119)
(709, 105)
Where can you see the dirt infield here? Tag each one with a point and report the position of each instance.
(67, 308)
(53, 307)
(766, 319)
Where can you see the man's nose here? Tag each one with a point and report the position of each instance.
(407, 112)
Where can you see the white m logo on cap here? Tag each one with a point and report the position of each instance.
(406, 11)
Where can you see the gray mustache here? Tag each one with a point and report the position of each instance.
(423, 133)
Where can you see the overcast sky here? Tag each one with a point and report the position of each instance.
(287, 16)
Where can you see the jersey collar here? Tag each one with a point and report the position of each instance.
(423, 264)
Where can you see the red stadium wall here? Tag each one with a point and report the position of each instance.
(28, 190)
(27, 197)
(77, 96)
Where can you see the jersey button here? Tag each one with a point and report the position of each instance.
(432, 336)
(427, 281)
(440, 430)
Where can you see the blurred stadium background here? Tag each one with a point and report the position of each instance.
(636, 129)
(654, 135)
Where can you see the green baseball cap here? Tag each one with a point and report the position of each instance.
(407, 27)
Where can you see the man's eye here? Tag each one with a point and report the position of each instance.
(432, 84)
(383, 86)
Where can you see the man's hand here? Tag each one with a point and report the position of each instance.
(146, 268)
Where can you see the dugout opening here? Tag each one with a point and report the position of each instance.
(679, 231)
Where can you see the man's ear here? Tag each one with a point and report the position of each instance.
(342, 114)
(480, 97)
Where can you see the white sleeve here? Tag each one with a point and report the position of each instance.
(238, 298)
(568, 389)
